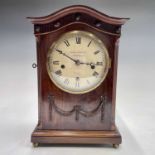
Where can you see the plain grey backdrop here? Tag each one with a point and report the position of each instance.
(135, 87)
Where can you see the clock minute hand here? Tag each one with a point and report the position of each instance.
(66, 55)
(69, 57)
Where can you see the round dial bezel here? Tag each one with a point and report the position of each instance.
(106, 57)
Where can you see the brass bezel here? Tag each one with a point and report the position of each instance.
(106, 57)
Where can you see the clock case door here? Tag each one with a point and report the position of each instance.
(59, 110)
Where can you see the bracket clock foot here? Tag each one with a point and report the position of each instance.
(77, 53)
(35, 144)
(115, 146)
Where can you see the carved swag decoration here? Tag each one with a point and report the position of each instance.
(77, 109)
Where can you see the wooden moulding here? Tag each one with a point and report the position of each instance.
(76, 137)
(77, 14)
(78, 9)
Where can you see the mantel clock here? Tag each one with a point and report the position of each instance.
(77, 51)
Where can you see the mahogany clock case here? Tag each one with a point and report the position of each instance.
(76, 118)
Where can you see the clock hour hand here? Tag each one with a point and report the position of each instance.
(92, 65)
(86, 63)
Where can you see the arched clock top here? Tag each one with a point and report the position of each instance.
(77, 14)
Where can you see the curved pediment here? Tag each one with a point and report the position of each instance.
(78, 9)
(79, 13)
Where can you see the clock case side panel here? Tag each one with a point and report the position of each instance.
(41, 116)
(115, 68)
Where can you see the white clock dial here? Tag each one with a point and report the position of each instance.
(78, 62)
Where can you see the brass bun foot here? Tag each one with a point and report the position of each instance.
(115, 146)
(35, 144)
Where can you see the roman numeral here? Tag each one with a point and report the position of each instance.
(95, 74)
(59, 51)
(49, 59)
(99, 63)
(77, 84)
(96, 52)
(89, 43)
(56, 62)
(58, 72)
(78, 40)
(67, 43)
(66, 81)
